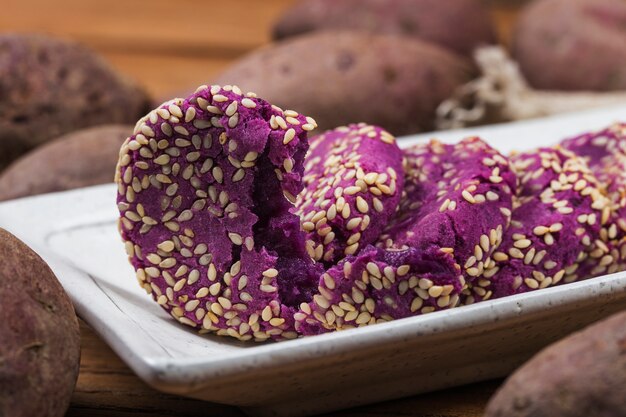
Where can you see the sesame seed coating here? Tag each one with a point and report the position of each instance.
(457, 197)
(379, 285)
(353, 182)
(605, 153)
(547, 239)
(206, 218)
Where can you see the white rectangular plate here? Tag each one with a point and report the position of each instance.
(75, 232)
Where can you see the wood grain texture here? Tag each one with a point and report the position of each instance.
(166, 76)
(107, 387)
(170, 48)
(183, 27)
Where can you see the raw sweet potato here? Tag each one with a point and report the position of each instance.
(573, 44)
(78, 159)
(50, 87)
(460, 25)
(338, 78)
(582, 375)
(39, 336)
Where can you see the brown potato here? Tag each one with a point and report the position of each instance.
(345, 77)
(40, 340)
(573, 44)
(78, 159)
(460, 25)
(582, 375)
(49, 87)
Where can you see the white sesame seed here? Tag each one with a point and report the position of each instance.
(403, 270)
(362, 205)
(321, 301)
(231, 109)
(281, 122)
(268, 288)
(491, 196)
(277, 321)
(248, 103)
(351, 190)
(351, 250)
(238, 175)
(289, 135)
(218, 174)
(190, 114)
(416, 304)
(288, 164)
(468, 196)
(175, 110)
(147, 131)
(270, 273)
(556, 227)
(444, 205)
(182, 130)
(233, 120)
(353, 223)
(180, 284)
(531, 283)
(235, 238)
(484, 243)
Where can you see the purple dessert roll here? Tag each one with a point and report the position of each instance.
(206, 187)
(605, 153)
(457, 198)
(556, 223)
(353, 183)
(379, 285)
(456, 204)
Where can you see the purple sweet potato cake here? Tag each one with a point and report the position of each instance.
(555, 226)
(605, 153)
(457, 203)
(457, 198)
(236, 226)
(353, 183)
(206, 186)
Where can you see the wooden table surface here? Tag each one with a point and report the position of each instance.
(171, 47)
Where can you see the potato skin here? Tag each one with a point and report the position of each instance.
(40, 343)
(572, 44)
(460, 25)
(580, 376)
(78, 159)
(346, 77)
(49, 87)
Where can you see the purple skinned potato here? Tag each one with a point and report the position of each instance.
(460, 26)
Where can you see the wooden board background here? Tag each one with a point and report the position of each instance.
(171, 47)
(167, 46)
